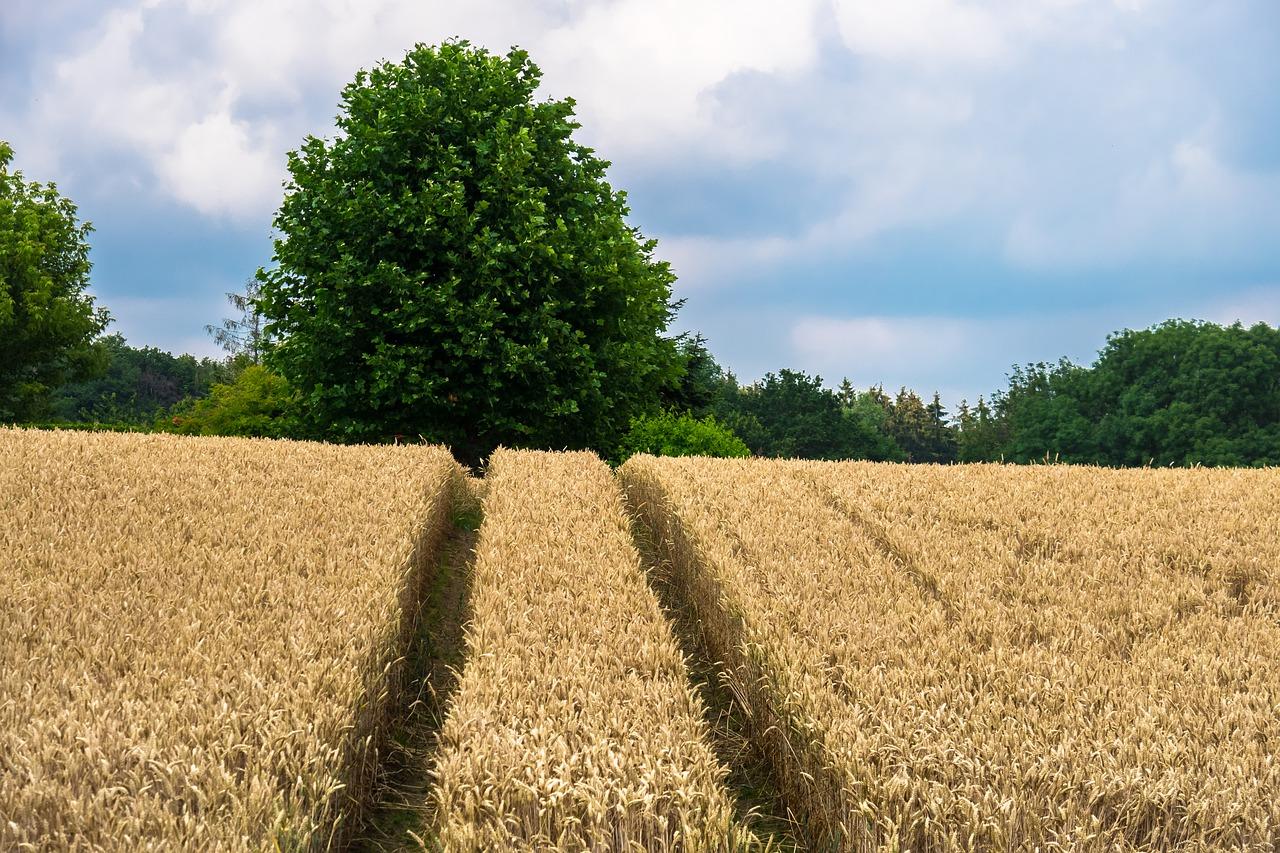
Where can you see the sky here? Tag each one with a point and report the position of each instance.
(919, 193)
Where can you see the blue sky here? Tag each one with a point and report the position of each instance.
(921, 192)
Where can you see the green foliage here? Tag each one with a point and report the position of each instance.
(454, 265)
(922, 432)
(1041, 415)
(1181, 393)
(242, 336)
(871, 409)
(138, 385)
(672, 434)
(48, 323)
(702, 384)
(980, 433)
(257, 403)
(1185, 393)
(791, 415)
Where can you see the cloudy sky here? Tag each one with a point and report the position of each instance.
(921, 192)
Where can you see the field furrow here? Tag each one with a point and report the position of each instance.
(574, 726)
(935, 677)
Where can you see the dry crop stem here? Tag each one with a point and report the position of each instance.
(982, 657)
(574, 726)
(202, 636)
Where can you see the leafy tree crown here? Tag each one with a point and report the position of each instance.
(48, 322)
(455, 265)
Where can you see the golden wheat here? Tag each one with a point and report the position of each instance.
(982, 657)
(201, 636)
(574, 726)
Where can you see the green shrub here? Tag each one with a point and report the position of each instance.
(669, 434)
(257, 403)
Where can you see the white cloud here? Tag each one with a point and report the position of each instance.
(1183, 204)
(215, 166)
(212, 125)
(107, 96)
(1068, 128)
(932, 31)
(926, 353)
(641, 69)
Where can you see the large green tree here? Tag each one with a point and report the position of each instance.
(455, 265)
(1187, 392)
(48, 323)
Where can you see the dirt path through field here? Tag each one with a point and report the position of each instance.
(402, 816)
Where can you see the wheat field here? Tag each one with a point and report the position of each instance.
(574, 726)
(205, 640)
(988, 657)
(201, 636)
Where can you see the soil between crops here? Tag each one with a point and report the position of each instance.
(402, 817)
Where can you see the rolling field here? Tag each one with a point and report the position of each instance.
(207, 644)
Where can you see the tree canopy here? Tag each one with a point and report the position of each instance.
(255, 403)
(671, 434)
(1181, 393)
(454, 265)
(48, 322)
(791, 414)
(139, 384)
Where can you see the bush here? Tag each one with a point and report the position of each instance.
(670, 434)
(257, 403)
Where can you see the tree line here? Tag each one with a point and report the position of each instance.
(454, 267)
(1181, 393)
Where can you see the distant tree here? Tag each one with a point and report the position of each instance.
(257, 403)
(1184, 393)
(790, 414)
(979, 433)
(728, 409)
(242, 336)
(1042, 417)
(846, 393)
(909, 425)
(876, 395)
(1180, 393)
(48, 323)
(453, 264)
(941, 437)
(702, 382)
(672, 434)
(138, 384)
(871, 410)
